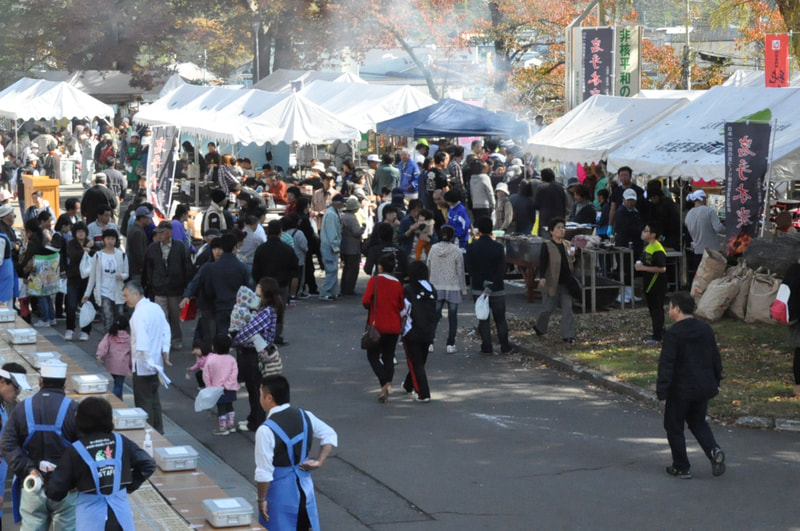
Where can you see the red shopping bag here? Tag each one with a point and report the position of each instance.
(189, 312)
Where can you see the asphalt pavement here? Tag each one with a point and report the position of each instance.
(505, 443)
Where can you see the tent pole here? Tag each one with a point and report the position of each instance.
(197, 179)
(765, 217)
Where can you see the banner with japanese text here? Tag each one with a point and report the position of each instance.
(746, 158)
(776, 60)
(598, 61)
(161, 158)
(628, 61)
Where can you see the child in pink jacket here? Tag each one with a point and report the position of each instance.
(221, 370)
(115, 350)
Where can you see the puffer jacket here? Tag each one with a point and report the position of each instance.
(116, 350)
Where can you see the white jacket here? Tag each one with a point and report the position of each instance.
(95, 278)
(446, 266)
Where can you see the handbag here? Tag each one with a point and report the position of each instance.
(43, 280)
(269, 361)
(189, 312)
(371, 338)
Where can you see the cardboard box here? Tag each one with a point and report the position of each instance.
(228, 512)
(85, 384)
(21, 336)
(130, 418)
(171, 458)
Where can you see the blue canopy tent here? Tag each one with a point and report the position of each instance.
(453, 118)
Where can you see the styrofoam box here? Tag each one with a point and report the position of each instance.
(171, 458)
(130, 418)
(228, 512)
(85, 384)
(21, 336)
(38, 357)
(7, 315)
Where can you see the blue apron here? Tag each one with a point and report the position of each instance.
(9, 283)
(16, 485)
(283, 497)
(92, 510)
(3, 462)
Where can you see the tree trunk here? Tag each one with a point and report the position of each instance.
(417, 61)
(790, 9)
(284, 54)
(502, 67)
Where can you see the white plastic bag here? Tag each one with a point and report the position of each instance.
(85, 267)
(207, 398)
(482, 307)
(86, 315)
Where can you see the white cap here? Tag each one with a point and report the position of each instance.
(630, 193)
(53, 369)
(20, 379)
(373, 158)
(697, 195)
(502, 187)
(319, 166)
(5, 195)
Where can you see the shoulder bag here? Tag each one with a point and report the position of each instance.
(371, 337)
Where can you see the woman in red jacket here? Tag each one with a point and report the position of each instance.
(389, 303)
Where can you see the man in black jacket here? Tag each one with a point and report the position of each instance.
(689, 373)
(97, 195)
(167, 272)
(276, 259)
(222, 279)
(486, 263)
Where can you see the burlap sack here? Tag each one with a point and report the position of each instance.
(763, 290)
(712, 267)
(744, 276)
(717, 297)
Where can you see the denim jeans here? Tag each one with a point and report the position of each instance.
(39, 512)
(330, 287)
(119, 381)
(452, 319)
(111, 310)
(46, 311)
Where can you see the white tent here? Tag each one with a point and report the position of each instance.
(365, 105)
(690, 141)
(662, 94)
(599, 125)
(47, 100)
(753, 78)
(175, 81)
(281, 79)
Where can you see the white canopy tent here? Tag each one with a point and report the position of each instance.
(365, 105)
(48, 100)
(281, 79)
(690, 95)
(690, 142)
(753, 78)
(599, 125)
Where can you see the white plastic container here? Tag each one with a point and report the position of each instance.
(7, 315)
(130, 418)
(86, 384)
(228, 512)
(21, 336)
(38, 357)
(170, 458)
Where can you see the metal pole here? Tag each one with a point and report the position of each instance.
(765, 217)
(197, 179)
(687, 65)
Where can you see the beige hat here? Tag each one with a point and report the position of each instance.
(54, 369)
(5, 195)
(502, 187)
(352, 204)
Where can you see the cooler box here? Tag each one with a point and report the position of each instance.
(38, 357)
(21, 336)
(85, 384)
(7, 315)
(170, 458)
(228, 512)
(130, 418)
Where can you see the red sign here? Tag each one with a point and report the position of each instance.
(776, 56)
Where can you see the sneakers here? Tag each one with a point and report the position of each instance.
(680, 474)
(651, 342)
(451, 349)
(242, 425)
(41, 324)
(537, 331)
(327, 298)
(423, 400)
(302, 295)
(430, 347)
(53, 322)
(717, 462)
(221, 431)
(570, 340)
(68, 335)
(83, 337)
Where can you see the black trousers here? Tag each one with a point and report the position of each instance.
(145, 396)
(349, 273)
(247, 361)
(692, 413)
(310, 281)
(655, 303)
(381, 359)
(416, 379)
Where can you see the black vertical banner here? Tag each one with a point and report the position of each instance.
(746, 156)
(161, 159)
(598, 61)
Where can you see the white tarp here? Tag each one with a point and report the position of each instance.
(39, 99)
(753, 78)
(175, 81)
(365, 105)
(599, 125)
(664, 94)
(690, 141)
(281, 79)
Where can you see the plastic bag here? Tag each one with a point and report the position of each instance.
(208, 398)
(85, 267)
(86, 315)
(482, 307)
(43, 281)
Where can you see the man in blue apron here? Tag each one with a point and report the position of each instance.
(38, 432)
(9, 286)
(286, 498)
(12, 381)
(102, 466)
